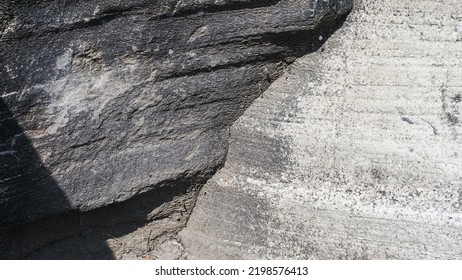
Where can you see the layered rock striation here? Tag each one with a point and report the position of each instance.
(102, 100)
(355, 153)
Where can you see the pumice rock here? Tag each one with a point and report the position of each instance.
(102, 101)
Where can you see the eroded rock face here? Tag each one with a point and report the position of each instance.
(355, 153)
(103, 100)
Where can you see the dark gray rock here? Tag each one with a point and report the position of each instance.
(103, 100)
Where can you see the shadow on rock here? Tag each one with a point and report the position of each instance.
(27, 189)
(84, 235)
(28, 192)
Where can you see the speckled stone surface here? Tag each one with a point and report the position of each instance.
(355, 153)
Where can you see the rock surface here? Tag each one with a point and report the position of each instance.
(104, 100)
(114, 113)
(355, 153)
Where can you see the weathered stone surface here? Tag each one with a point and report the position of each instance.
(356, 152)
(103, 100)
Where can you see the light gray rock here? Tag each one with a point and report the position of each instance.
(355, 153)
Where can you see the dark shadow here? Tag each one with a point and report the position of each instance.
(27, 190)
(83, 235)
(303, 42)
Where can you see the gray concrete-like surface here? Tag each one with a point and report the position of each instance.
(355, 153)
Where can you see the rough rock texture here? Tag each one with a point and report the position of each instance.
(117, 96)
(102, 101)
(356, 152)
